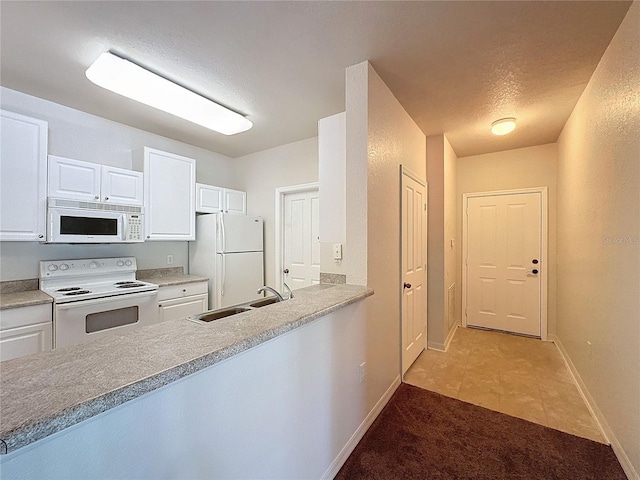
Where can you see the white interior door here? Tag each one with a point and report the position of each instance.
(503, 264)
(301, 246)
(414, 268)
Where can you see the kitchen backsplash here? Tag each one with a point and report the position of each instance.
(20, 260)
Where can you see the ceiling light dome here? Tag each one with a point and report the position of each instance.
(503, 126)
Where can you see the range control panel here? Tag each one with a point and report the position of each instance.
(86, 266)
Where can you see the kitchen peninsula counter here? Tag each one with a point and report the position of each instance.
(46, 393)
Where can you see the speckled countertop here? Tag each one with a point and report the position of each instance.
(23, 299)
(164, 277)
(21, 293)
(45, 393)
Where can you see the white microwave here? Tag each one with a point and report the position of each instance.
(72, 221)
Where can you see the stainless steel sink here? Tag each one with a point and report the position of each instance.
(210, 316)
(264, 302)
(213, 315)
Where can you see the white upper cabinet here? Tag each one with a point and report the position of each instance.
(235, 201)
(23, 178)
(209, 199)
(122, 186)
(169, 195)
(212, 199)
(92, 182)
(74, 179)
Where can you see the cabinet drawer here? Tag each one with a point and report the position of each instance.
(23, 316)
(178, 291)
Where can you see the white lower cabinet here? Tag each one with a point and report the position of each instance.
(179, 301)
(25, 331)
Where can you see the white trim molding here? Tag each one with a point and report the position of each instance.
(443, 347)
(544, 276)
(597, 414)
(342, 457)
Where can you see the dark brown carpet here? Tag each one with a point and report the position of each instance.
(421, 434)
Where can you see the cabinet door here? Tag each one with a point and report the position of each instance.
(235, 201)
(209, 199)
(21, 341)
(182, 307)
(169, 196)
(23, 182)
(74, 179)
(119, 185)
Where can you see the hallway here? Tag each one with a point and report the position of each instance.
(520, 376)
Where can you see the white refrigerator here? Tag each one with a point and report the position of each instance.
(229, 250)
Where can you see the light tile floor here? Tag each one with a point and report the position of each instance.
(519, 376)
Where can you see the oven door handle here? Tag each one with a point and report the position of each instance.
(97, 301)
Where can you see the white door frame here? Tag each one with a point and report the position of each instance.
(545, 254)
(279, 224)
(410, 174)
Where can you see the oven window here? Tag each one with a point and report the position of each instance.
(95, 322)
(72, 225)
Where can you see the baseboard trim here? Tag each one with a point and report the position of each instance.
(443, 347)
(342, 457)
(597, 414)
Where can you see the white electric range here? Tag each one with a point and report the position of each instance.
(96, 297)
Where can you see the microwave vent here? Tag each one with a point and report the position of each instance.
(109, 207)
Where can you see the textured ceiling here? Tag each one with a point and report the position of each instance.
(454, 66)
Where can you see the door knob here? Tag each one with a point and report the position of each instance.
(285, 271)
(407, 285)
(534, 271)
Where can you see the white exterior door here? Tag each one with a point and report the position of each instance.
(503, 264)
(414, 267)
(301, 247)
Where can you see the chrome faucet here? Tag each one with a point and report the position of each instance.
(272, 290)
(290, 293)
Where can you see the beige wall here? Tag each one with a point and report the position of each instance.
(441, 261)
(450, 234)
(262, 172)
(598, 237)
(508, 170)
(380, 137)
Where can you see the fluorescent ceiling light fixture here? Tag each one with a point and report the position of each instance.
(126, 78)
(503, 126)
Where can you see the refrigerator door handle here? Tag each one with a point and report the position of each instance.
(222, 231)
(224, 274)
